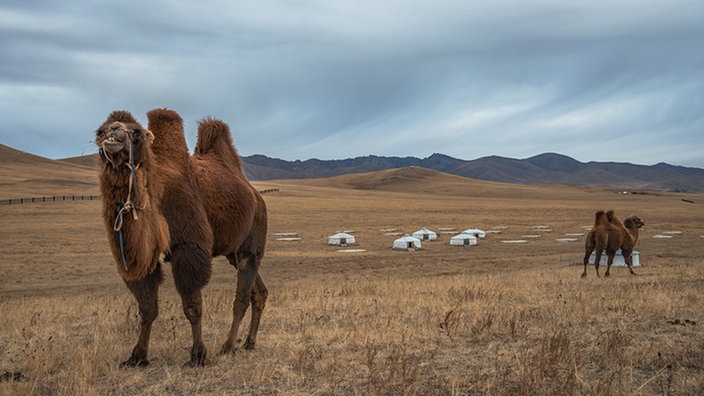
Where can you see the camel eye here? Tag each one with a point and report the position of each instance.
(137, 133)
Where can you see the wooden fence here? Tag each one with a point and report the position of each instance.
(50, 199)
(16, 201)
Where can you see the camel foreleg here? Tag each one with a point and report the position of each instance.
(193, 309)
(191, 269)
(627, 257)
(146, 292)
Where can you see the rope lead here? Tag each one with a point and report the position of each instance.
(128, 206)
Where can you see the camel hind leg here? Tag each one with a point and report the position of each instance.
(250, 289)
(246, 277)
(599, 243)
(146, 292)
(597, 261)
(589, 247)
(610, 255)
(259, 295)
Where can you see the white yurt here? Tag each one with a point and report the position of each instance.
(406, 242)
(476, 232)
(341, 238)
(463, 240)
(619, 261)
(425, 234)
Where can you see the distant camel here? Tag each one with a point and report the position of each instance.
(610, 234)
(159, 201)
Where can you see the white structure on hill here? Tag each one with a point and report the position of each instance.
(463, 240)
(476, 232)
(341, 239)
(406, 242)
(425, 234)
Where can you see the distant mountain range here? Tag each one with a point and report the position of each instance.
(548, 168)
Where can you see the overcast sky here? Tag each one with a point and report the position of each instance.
(599, 80)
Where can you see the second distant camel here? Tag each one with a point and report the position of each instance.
(609, 234)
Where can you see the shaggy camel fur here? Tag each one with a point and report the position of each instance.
(238, 217)
(156, 200)
(610, 234)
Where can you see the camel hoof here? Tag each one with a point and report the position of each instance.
(135, 362)
(228, 349)
(249, 344)
(584, 275)
(196, 363)
(198, 359)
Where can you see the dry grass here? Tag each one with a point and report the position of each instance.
(491, 319)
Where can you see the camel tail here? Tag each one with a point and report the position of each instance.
(214, 137)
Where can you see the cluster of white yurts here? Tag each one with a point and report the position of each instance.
(415, 240)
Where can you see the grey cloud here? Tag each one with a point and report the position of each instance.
(316, 79)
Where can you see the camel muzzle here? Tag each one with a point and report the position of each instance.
(114, 141)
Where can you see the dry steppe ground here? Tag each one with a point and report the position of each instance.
(489, 319)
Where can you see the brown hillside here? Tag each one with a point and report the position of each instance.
(418, 180)
(84, 160)
(23, 175)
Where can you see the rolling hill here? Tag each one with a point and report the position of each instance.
(27, 175)
(423, 181)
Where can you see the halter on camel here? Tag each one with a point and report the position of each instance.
(127, 206)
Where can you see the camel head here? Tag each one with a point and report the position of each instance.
(633, 222)
(121, 135)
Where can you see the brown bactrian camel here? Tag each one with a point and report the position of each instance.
(610, 234)
(158, 201)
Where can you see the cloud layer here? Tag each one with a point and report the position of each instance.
(297, 80)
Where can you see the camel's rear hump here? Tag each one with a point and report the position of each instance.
(214, 138)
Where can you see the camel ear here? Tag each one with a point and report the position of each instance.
(148, 136)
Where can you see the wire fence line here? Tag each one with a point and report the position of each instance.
(59, 198)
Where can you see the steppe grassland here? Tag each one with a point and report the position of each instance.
(494, 318)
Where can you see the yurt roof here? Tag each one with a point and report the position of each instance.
(464, 236)
(408, 238)
(425, 230)
(341, 235)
